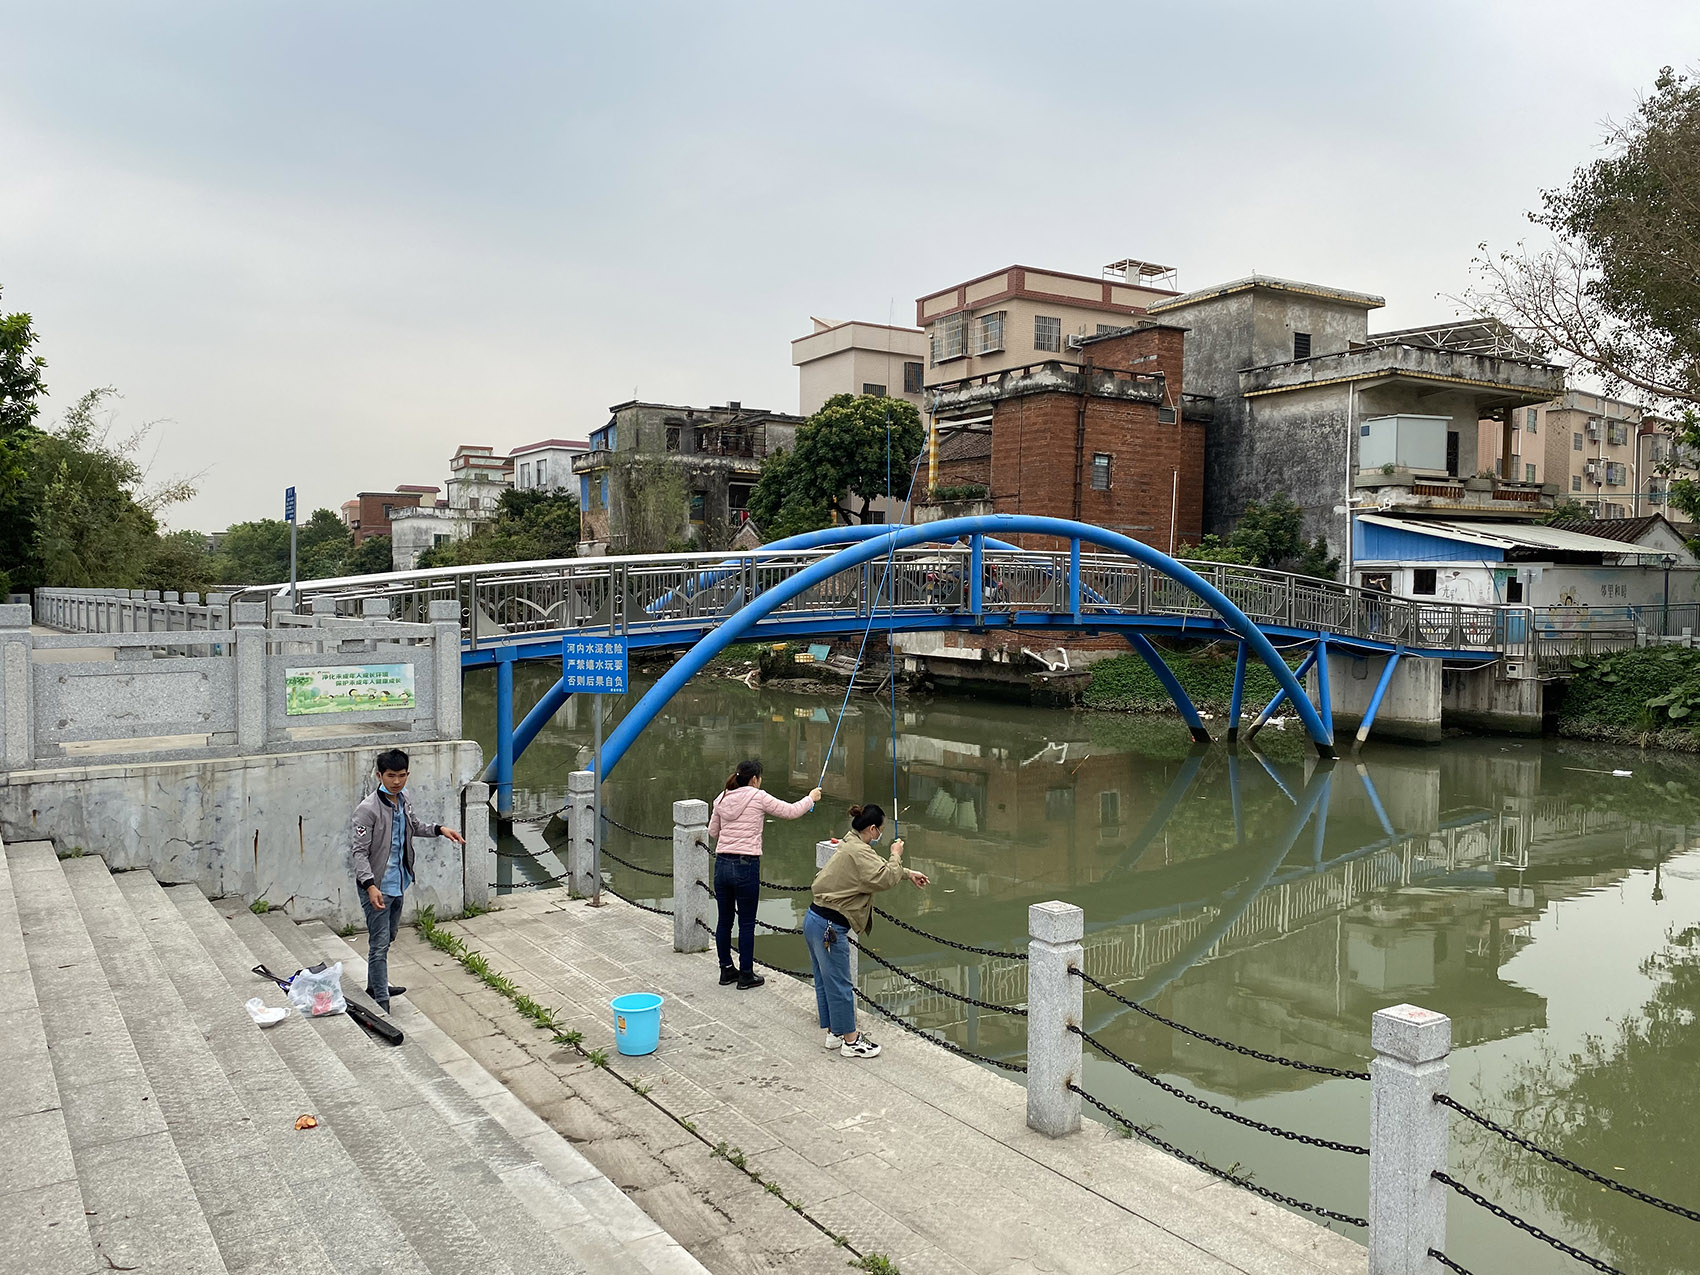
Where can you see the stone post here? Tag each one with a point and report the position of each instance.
(251, 638)
(478, 862)
(693, 877)
(374, 608)
(17, 690)
(1407, 1139)
(581, 844)
(824, 850)
(1053, 1005)
(444, 615)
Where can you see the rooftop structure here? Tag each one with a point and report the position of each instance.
(858, 358)
(546, 465)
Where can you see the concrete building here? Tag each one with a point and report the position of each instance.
(546, 466)
(1018, 316)
(1604, 453)
(477, 479)
(1109, 440)
(370, 512)
(858, 358)
(1299, 382)
(716, 453)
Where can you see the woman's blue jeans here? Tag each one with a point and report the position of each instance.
(829, 961)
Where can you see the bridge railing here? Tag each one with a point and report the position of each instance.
(501, 601)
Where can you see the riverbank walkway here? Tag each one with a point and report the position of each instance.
(918, 1156)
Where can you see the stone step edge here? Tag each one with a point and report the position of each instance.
(558, 1157)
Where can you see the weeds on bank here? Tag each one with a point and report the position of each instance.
(75, 852)
(875, 1264)
(259, 907)
(548, 1019)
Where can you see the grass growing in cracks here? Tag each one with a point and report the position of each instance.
(548, 1019)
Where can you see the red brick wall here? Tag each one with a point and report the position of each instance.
(1035, 460)
(372, 520)
(962, 473)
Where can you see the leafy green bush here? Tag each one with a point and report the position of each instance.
(1655, 689)
(1126, 682)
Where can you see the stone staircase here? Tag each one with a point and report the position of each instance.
(150, 1126)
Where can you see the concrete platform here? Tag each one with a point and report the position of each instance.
(918, 1155)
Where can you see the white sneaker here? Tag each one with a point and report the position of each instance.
(831, 1042)
(861, 1047)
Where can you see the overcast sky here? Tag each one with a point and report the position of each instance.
(325, 243)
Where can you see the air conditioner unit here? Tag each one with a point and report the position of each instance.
(1593, 427)
(1166, 416)
(1590, 471)
(1073, 341)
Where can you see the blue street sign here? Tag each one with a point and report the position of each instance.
(597, 665)
(289, 504)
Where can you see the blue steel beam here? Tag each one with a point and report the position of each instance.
(1238, 703)
(1375, 699)
(950, 529)
(545, 708)
(505, 731)
(1281, 696)
(1324, 688)
(1171, 684)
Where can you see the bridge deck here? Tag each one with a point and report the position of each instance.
(918, 1155)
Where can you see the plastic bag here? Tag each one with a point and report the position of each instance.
(318, 992)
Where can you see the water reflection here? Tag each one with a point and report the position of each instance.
(1263, 897)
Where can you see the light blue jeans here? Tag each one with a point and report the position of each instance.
(829, 961)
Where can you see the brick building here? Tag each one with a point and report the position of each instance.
(1110, 439)
(369, 513)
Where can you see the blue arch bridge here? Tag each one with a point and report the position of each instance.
(961, 574)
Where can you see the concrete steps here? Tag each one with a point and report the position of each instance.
(152, 1126)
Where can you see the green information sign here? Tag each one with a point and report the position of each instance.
(348, 688)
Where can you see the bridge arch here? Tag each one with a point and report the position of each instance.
(877, 545)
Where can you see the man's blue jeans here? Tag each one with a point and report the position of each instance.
(381, 929)
(829, 960)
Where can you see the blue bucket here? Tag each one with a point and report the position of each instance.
(637, 1022)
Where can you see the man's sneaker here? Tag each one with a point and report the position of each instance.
(728, 974)
(831, 1041)
(861, 1047)
(396, 991)
(747, 981)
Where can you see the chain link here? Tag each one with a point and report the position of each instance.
(1211, 1107)
(791, 889)
(635, 867)
(1447, 1262)
(934, 988)
(771, 928)
(960, 947)
(644, 906)
(529, 885)
(1446, 1100)
(647, 836)
(1217, 1040)
(1528, 1227)
(940, 1041)
(537, 819)
(1198, 1163)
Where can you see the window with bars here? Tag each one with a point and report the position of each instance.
(912, 378)
(1301, 345)
(1576, 442)
(1532, 419)
(541, 467)
(1576, 482)
(949, 338)
(988, 333)
(1617, 433)
(1615, 473)
(1528, 473)
(873, 391)
(1047, 333)
(1101, 472)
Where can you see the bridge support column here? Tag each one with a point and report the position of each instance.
(505, 656)
(1262, 718)
(1408, 1133)
(1398, 694)
(1238, 703)
(824, 850)
(1171, 684)
(581, 833)
(693, 877)
(1053, 1006)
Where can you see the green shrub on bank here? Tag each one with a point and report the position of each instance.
(1652, 690)
(1127, 684)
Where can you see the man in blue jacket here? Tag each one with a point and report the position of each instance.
(382, 851)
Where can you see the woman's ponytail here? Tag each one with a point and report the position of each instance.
(747, 770)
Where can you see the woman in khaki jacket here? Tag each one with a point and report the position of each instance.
(843, 901)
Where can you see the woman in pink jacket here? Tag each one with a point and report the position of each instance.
(737, 822)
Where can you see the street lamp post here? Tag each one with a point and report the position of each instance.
(1664, 617)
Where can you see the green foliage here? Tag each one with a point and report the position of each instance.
(964, 491)
(259, 907)
(875, 1264)
(1653, 689)
(1269, 534)
(654, 506)
(370, 557)
(840, 450)
(528, 526)
(21, 389)
(1567, 510)
(1126, 682)
(598, 1057)
(258, 552)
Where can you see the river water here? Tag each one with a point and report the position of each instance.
(1550, 907)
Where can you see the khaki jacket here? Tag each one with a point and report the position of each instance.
(855, 873)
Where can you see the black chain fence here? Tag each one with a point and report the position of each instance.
(636, 832)
(934, 988)
(1211, 1107)
(1447, 1262)
(960, 947)
(628, 899)
(1146, 1135)
(1527, 1227)
(940, 1041)
(1208, 1039)
(635, 867)
(1552, 1157)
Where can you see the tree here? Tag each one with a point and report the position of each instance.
(21, 388)
(855, 447)
(372, 556)
(180, 561)
(1269, 534)
(528, 526)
